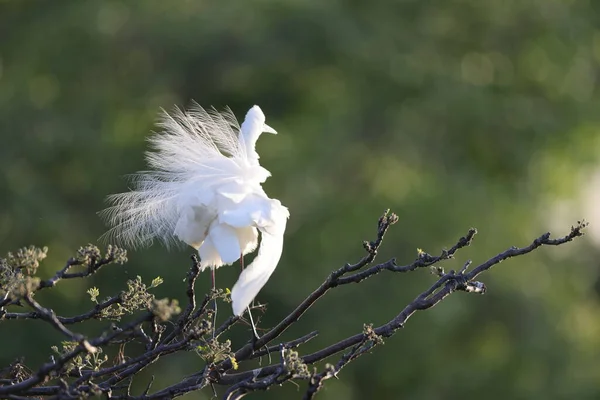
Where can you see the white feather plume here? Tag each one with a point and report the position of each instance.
(204, 189)
(253, 278)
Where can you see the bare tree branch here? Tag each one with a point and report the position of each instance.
(79, 371)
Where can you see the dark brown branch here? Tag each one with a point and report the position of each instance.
(424, 260)
(190, 331)
(443, 287)
(383, 225)
(50, 317)
(93, 266)
(183, 319)
(92, 314)
(576, 231)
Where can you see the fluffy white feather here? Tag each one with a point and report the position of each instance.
(204, 189)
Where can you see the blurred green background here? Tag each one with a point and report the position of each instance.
(451, 113)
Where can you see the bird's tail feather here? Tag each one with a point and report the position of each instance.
(253, 278)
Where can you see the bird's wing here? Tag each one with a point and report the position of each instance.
(272, 225)
(194, 222)
(225, 240)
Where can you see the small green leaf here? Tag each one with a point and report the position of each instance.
(155, 282)
(94, 293)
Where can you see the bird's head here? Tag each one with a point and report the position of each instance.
(252, 127)
(254, 123)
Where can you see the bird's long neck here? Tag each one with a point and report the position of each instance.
(249, 134)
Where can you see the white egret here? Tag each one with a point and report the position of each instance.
(204, 188)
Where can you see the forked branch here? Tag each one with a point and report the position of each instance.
(78, 371)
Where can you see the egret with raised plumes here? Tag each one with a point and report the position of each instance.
(204, 189)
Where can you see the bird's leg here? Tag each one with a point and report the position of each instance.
(214, 288)
(256, 337)
(242, 270)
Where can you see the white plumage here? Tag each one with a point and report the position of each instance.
(205, 190)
